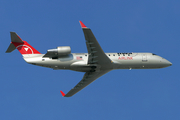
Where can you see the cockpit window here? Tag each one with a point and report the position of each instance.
(153, 54)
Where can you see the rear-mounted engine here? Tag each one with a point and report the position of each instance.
(59, 51)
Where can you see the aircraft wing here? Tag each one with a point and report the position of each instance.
(88, 78)
(96, 54)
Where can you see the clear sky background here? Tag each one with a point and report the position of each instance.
(30, 92)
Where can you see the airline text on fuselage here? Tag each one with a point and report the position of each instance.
(125, 58)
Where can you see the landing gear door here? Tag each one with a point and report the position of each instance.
(144, 58)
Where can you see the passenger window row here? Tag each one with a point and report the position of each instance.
(119, 54)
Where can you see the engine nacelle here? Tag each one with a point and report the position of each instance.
(64, 50)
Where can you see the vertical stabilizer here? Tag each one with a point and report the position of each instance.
(22, 46)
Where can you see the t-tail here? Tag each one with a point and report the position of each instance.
(22, 46)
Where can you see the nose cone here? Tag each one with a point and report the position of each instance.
(166, 63)
(160, 62)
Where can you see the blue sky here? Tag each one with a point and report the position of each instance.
(32, 92)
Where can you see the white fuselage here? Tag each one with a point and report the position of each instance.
(79, 61)
(95, 63)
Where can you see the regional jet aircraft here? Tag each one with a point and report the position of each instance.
(95, 63)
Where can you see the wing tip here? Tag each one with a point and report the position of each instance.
(63, 94)
(82, 24)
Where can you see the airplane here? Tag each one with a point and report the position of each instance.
(95, 63)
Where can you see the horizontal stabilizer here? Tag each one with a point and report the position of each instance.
(10, 48)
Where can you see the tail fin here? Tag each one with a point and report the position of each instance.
(22, 46)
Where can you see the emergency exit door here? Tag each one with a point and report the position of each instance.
(144, 58)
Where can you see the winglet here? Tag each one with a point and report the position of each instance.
(82, 24)
(63, 94)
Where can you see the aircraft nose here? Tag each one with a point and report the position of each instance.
(166, 62)
(170, 63)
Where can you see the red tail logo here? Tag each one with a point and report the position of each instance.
(25, 48)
